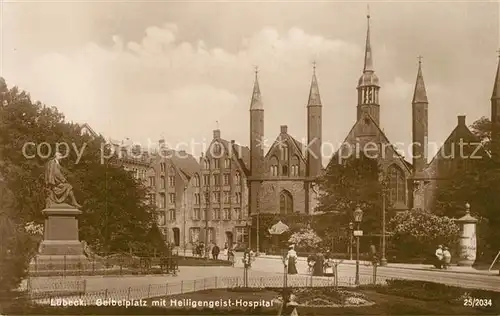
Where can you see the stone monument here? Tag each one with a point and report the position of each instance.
(61, 248)
(468, 243)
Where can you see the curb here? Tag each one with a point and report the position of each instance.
(490, 273)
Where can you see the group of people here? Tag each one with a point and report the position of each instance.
(227, 253)
(443, 257)
(320, 263)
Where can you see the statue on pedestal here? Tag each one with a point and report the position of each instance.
(57, 187)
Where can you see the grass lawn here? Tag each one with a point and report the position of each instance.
(385, 304)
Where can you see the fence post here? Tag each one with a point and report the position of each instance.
(375, 274)
(204, 284)
(336, 276)
(64, 266)
(166, 288)
(128, 293)
(85, 286)
(194, 285)
(149, 291)
(216, 282)
(182, 287)
(106, 294)
(261, 282)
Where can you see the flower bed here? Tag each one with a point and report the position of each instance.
(327, 297)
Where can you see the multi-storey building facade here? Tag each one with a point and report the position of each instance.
(222, 195)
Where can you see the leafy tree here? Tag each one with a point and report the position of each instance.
(355, 181)
(115, 215)
(305, 240)
(418, 232)
(477, 185)
(15, 244)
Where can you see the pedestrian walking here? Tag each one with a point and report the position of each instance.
(291, 260)
(215, 252)
(439, 257)
(446, 258)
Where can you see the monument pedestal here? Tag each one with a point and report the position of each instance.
(61, 248)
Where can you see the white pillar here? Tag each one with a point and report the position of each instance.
(468, 243)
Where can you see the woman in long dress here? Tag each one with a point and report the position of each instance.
(291, 260)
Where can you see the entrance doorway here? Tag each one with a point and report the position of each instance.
(177, 236)
(229, 239)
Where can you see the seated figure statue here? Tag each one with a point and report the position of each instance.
(57, 187)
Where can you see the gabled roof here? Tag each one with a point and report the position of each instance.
(87, 127)
(300, 148)
(186, 163)
(384, 137)
(241, 153)
(461, 131)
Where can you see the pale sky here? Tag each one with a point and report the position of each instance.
(143, 70)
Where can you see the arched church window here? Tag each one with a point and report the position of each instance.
(396, 184)
(237, 178)
(286, 202)
(206, 164)
(284, 152)
(284, 170)
(274, 166)
(295, 166)
(196, 180)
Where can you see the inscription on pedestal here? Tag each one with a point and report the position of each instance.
(61, 228)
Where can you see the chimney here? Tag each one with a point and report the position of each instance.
(216, 133)
(232, 142)
(284, 129)
(461, 120)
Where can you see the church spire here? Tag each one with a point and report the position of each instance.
(368, 67)
(368, 84)
(420, 94)
(496, 86)
(314, 97)
(256, 103)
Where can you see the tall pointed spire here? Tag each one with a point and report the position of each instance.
(368, 47)
(496, 85)
(314, 97)
(420, 94)
(256, 103)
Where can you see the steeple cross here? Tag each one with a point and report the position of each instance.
(314, 66)
(256, 69)
(216, 124)
(419, 59)
(498, 51)
(368, 11)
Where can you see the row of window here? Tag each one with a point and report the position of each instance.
(216, 197)
(163, 168)
(163, 181)
(137, 173)
(163, 199)
(216, 163)
(294, 171)
(217, 214)
(216, 179)
(162, 220)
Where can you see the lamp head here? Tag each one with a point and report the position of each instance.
(358, 214)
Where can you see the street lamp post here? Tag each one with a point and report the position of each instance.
(358, 217)
(351, 228)
(383, 260)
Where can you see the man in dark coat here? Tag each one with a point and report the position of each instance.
(319, 265)
(215, 252)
